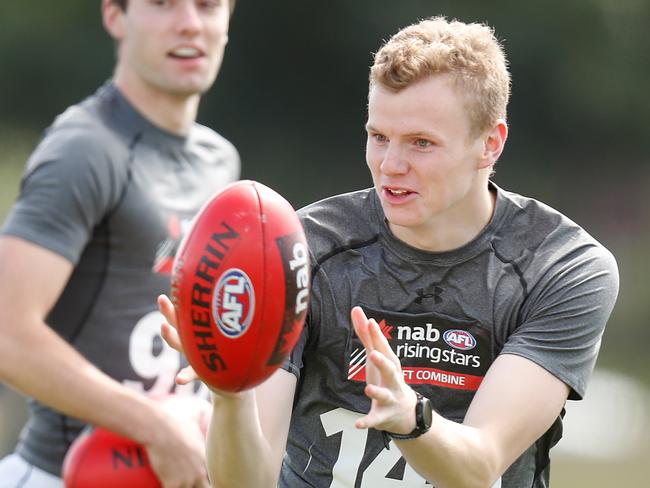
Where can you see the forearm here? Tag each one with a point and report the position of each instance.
(453, 455)
(37, 362)
(518, 401)
(238, 451)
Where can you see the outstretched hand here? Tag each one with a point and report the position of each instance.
(169, 333)
(393, 401)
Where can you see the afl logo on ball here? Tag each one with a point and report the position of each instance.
(233, 303)
(459, 339)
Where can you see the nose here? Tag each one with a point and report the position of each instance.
(393, 162)
(189, 18)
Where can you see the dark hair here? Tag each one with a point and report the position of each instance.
(124, 3)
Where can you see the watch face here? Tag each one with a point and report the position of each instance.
(427, 413)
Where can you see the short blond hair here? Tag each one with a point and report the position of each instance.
(470, 53)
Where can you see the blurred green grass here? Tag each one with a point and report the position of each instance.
(15, 146)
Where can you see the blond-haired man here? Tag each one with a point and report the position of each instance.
(450, 319)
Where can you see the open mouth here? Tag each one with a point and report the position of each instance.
(186, 53)
(397, 192)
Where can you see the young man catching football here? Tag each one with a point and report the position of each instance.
(450, 320)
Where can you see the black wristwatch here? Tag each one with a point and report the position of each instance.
(423, 419)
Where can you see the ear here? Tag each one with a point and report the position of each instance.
(493, 142)
(113, 19)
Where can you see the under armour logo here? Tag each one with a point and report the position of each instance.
(435, 295)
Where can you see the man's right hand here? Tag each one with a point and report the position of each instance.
(177, 449)
(37, 361)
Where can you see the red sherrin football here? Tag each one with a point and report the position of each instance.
(103, 459)
(240, 286)
(99, 458)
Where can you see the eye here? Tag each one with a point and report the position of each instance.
(379, 138)
(209, 4)
(423, 143)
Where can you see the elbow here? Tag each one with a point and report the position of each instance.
(471, 480)
(486, 474)
(487, 470)
(481, 472)
(481, 475)
(487, 481)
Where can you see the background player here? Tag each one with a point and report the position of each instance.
(486, 307)
(88, 245)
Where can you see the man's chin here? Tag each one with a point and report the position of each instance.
(188, 88)
(400, 219)
(193, 89)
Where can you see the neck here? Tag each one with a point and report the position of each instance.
(170, 112)
(456, 226)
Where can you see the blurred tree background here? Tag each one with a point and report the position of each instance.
(292, 94)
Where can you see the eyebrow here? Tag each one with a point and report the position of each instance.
(423, 134)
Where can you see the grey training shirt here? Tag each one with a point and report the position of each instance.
(113, 193)
(532, 283)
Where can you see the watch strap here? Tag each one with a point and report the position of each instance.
(422, 422)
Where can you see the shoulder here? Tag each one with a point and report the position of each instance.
(92, 139)
(212, 145)
(81, 137)
(82, 150)
(345, 220)
(545, 242)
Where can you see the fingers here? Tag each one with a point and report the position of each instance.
(378, 338)
(169, 333)
(369, 332)
(170, 336)
(381, 344)
(166, 307)
(360, 323)
(364, 423)
(389, 372)
(379, 394)
(383, 402)
(385, 384)
(361, 326)
(372, 338)
(384, 391)
(177, 455)
(186, 375)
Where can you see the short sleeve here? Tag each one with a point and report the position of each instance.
(69, 185)
(565, 316)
